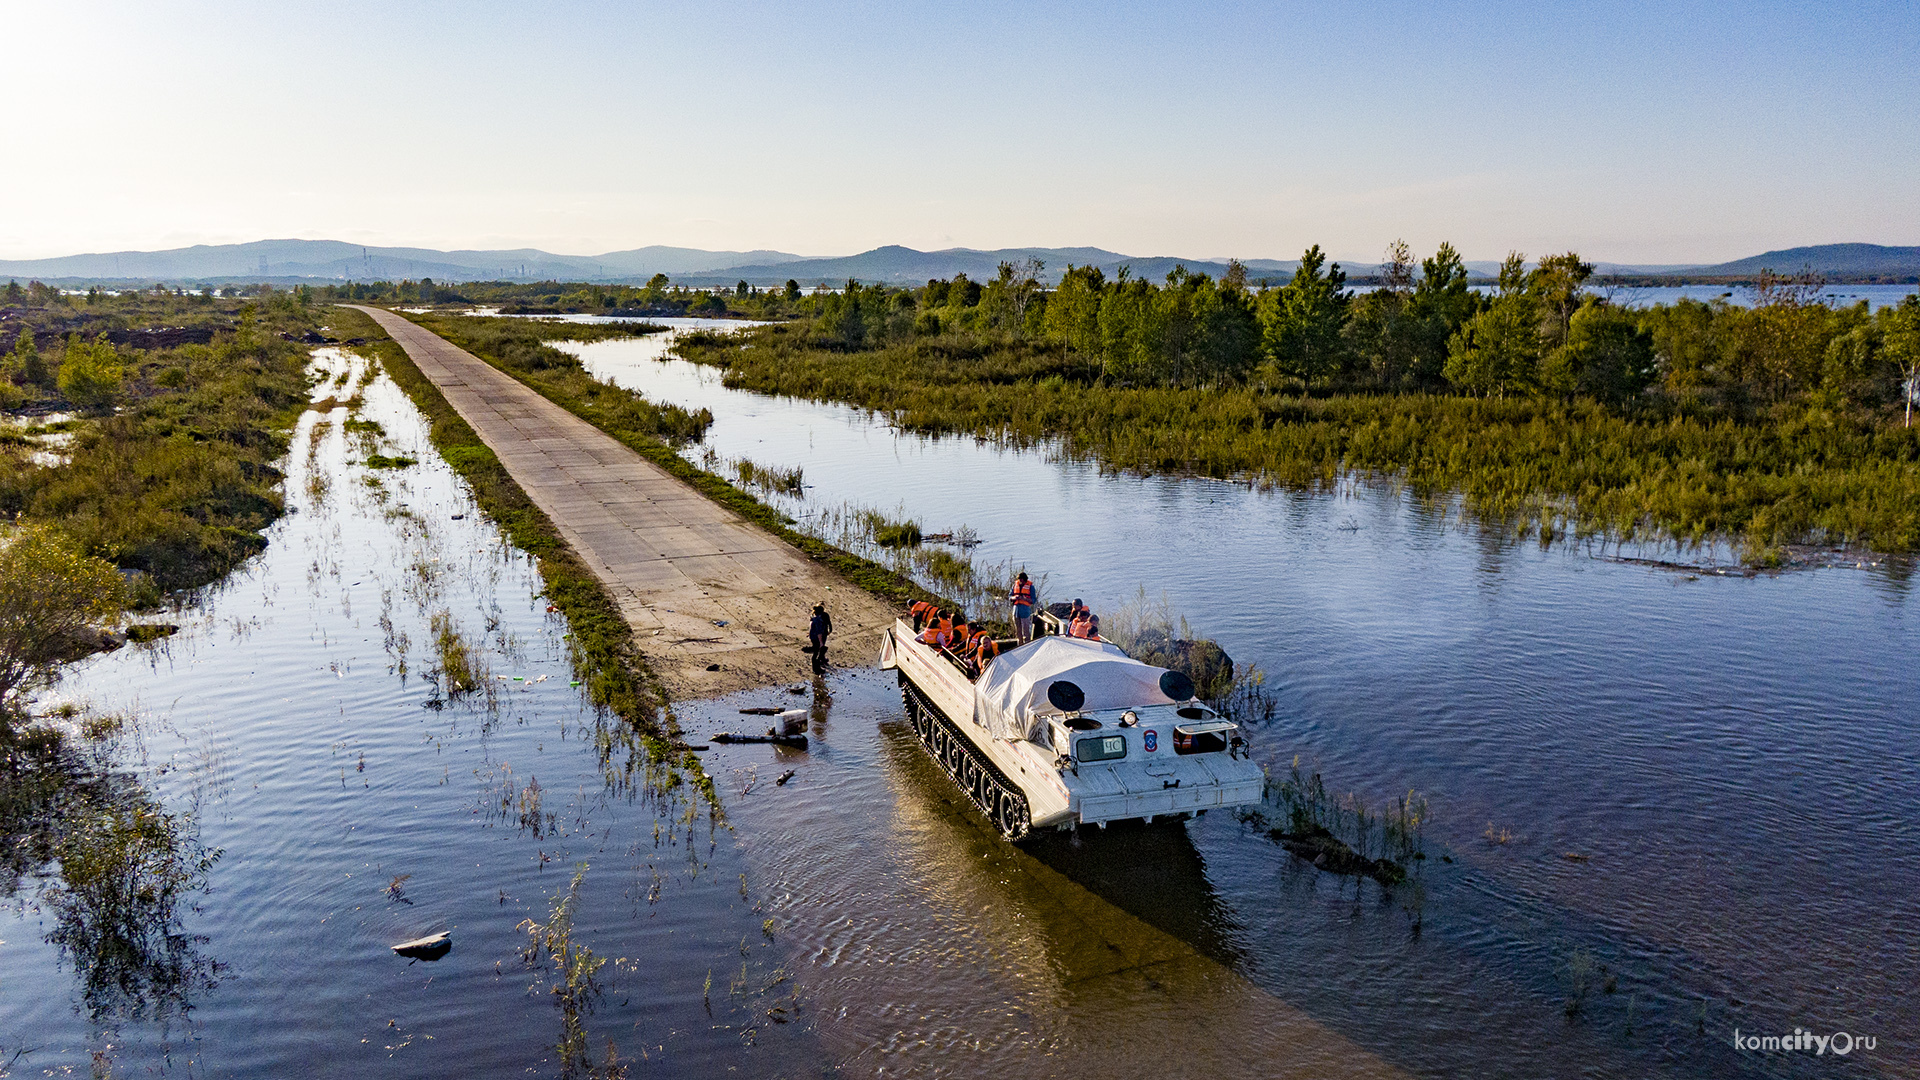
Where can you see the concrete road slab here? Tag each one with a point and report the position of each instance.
(700, 585)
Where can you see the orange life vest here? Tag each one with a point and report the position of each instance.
(961, 633)
(986, 650)
(939, 632)
(1022, 593)
(1082, 626)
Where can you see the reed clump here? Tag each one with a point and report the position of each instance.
(1345, 834)
(572, 980)
(773, 479)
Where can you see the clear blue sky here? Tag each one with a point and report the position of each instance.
(1663, 133)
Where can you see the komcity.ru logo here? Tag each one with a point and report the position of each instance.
(1840, 1043)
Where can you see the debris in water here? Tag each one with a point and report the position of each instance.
(784, 777)
(432, 947)
(798, 742)
(760, 710)
(796, 689)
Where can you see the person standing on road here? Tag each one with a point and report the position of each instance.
(818, 628)
(1022, 596)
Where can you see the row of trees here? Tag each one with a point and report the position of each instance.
(1542, 330)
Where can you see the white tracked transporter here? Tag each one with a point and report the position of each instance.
(1063, 731)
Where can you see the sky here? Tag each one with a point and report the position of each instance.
(1668, 133)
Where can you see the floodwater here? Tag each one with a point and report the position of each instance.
(1875, 296)
(297, 720)
(1699, 791)
(1732, 760)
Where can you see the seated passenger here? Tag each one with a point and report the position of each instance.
(961, 635)
(1082, 625)
(1093, 628)
(939, 630)
(985, 648)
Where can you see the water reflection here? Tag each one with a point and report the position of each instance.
(116, 869)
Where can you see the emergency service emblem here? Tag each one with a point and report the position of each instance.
(1152, 740)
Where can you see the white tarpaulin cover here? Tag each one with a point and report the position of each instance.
(1011, 697)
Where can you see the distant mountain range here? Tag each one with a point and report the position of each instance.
(333, 260)
(1834, 260)
(896, 265)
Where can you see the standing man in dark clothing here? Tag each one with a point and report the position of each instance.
(817, 630)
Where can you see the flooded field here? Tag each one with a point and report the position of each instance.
(1666, 806)
(300, 726)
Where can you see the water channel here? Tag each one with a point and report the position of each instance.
(1729, 761)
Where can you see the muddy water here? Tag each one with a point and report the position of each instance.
(1684, 804)
(297, 719)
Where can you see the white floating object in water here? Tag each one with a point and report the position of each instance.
(431, 947)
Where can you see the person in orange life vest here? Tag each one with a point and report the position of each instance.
(920, 612)
(1024, 598)
(960, 634)
(1093, 628)
(984, 650)
(1082, 624)
(939, 630)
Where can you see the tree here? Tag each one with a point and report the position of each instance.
(1497, 352)
(1226, 331)
(1687, 341)
(50, 591)
(1781, 342)
(963, 293)
(90, 372)
(1440, 305)
(1383, 332)
(793, 289)
(28, 365)
(741, 289)
(1301, 320)
(1557, 282)
(1903, 347)
(1607, 355)
(1023, 284)
(1073, 312)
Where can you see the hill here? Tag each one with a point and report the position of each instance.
(896, 265)
(336, 260)
(1833, 260)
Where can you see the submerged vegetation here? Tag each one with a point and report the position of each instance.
(168, 412)
(1346, 835)
(603, 651)
(1548, 407)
